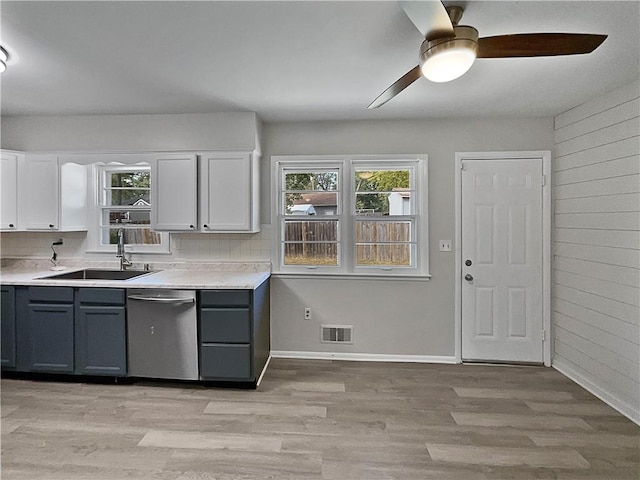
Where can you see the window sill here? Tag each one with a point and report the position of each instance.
(354, 276)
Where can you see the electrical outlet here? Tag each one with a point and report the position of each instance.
(445, 245)
(307, 313)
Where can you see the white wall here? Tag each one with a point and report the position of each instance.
(206, 131)
(596, 247)
(392, 317)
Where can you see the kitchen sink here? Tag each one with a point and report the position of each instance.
(98, 274)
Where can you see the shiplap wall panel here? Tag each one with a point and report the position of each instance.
(627, 202)
(597, 286)
(597, 105)
(609, 255)
(619, 113)
(614, 344)
(616, 382)
(597, 171)
(603, 238)
(603, 153)
(606, 186)
(606, 323)
(613, 273)
(596, 246)
(612, 134)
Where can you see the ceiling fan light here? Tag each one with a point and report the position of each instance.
(448, 65)
(445, 59)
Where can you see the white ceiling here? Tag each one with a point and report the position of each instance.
(292, 61)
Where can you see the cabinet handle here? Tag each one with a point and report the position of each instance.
(191, 227)
(11, 225)
(51, 225)
(206, 226)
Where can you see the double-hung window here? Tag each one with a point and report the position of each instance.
(359, 215)
(123, 203)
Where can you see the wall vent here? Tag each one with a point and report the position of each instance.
(336, 333)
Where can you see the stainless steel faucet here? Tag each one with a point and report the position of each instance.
(120, 253)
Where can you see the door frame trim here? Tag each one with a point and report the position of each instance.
(545, 155)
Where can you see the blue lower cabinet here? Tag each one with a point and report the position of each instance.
(50, 338)
(8, 327)
(100, 332)
(234, 332)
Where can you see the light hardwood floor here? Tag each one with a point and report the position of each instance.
(321, 420)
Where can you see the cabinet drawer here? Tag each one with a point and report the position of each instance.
(225, 362)
(225, 325)
(226, 298)
(51, 294)
(101, 296)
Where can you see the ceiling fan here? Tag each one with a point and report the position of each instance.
(449, 49)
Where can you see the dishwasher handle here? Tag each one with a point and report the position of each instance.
(165, 300)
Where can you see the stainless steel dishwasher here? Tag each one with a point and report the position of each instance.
(162, 334)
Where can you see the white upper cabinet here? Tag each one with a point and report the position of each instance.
(205, 192)
(229, 192)
(54, 196)
(174, 193)
(9, 190)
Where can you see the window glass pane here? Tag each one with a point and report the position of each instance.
(313, 181)
(132, 236)
(311, 243)
(387, 192)
(383, 254)
(383, 243)
(313, 203)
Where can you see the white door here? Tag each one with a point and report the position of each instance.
(502, 260)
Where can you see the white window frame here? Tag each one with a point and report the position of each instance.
(347, 217)
(94, 235)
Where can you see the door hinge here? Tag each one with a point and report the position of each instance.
(543, 335)
(543, 180)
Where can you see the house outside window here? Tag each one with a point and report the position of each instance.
(358, 215)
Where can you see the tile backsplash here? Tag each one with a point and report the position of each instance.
(188, 246)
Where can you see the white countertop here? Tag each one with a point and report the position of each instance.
(176, 278)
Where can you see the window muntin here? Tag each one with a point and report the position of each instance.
(123, 202)
(380, 224)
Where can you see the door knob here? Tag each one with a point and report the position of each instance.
(468, 277)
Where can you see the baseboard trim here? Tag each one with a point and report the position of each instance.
(264, 369)
(621, 406)
(364, 357)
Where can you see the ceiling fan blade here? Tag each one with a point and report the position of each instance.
(400, 84)
(430, 18)
(538, 45)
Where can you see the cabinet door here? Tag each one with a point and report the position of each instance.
(8, 324)
(174, 193)
(42, 192)
(8, 191)
(51, 337)
(100, 340)
(227, 192)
